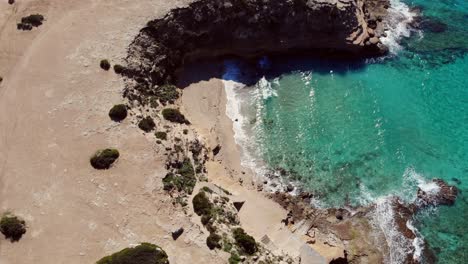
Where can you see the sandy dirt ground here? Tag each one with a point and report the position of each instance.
(54, 101)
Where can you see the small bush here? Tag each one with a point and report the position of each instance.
(245, 242)
(167, 94)
(118, 112)
(185, 131)
(161, 135)
(201, 204)
(207, 189)
(205, 219)
(185, 181)
(21, 26)
(187, 170)
(213, 241)
(11, 2)
(145, 253)
(12, 227)
(234, 259)
(119, 69)
(174, 116)
(105, 65)
(34, 20)
(103, 159)
(1, 79)
(27, 23)
(147, 124)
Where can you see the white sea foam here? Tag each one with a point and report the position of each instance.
(234, 91)
(397, 25)
(418, 241)
(399, 246)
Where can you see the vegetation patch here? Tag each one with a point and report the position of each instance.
(103, 159)
(147, 124)
(12, 227)
(167, 94)
(234, 258)
(145, 253)
(105, 65)
(174, 116)
(202, 205)
(184, 180)
(244, 241)
(161, 135)
(119, 69)
(118, 112)
(27, 23)
(213, 241)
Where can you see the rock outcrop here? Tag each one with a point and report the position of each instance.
(354, 226)
(249, 28)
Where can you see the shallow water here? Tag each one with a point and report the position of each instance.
(355, 132)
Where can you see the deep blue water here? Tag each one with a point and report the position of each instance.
(354, 132)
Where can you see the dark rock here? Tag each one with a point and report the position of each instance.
(238, 205)
(445, 195)
(289, 188)
(176, 234)
(216, 150)
(341, 260)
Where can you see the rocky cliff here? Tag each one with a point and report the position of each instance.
(249, 28)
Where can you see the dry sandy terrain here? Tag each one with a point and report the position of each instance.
(54, 101)
(53, 115)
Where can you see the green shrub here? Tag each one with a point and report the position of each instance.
(105, 65)
(213, 241)
(201, 204)
(103, 159)
(119, 69)
(245, 242)
(185, 181)
(187, 169)
(207, 189)
(147, 124)
(34, 20)
(234, 259)
(27, 23)
(145, 253)
(205, 219)
(167, 94)
(161, 135)
(118, 112)
(174, 116)
(12, 227)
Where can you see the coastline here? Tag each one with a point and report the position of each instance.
(261, 216)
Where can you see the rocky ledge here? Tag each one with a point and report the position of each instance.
(250, 28)
(358, 231)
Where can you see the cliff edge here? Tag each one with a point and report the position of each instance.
(249, 28)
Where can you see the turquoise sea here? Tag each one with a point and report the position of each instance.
(354, 132)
